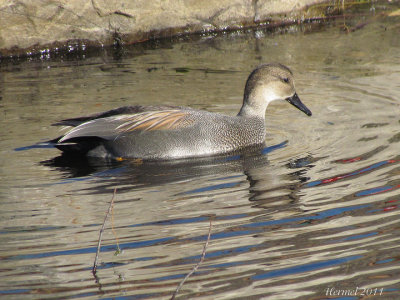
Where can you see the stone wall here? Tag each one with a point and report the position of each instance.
(31, 26)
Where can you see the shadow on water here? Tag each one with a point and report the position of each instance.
(153, 173)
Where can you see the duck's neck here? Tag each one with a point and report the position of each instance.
(252, 108)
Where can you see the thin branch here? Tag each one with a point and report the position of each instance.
(197, 265)
(114, 232)
(101, 233)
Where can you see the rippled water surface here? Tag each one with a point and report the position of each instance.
(314, 216)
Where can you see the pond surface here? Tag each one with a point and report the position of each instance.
(315, 215)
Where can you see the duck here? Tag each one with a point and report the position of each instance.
(167, 132)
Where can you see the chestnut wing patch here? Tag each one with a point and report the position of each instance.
(155, 120)
(112, 127)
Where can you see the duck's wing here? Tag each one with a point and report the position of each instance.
(114, 126)
(124, 110)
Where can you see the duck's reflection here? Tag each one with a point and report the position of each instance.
(159, 172)
(265, 184)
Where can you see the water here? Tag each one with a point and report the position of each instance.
(314, 216)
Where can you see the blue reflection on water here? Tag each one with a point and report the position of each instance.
(305, 268)
(94, 249)
(319, 216)
(212, 188)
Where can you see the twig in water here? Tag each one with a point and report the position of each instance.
(114, 232)
(101, 233)
(197, 265)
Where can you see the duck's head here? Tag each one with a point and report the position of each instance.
(267, 83)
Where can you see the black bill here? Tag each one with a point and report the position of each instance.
(295, 101)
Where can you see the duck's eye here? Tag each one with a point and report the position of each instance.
(286, 79)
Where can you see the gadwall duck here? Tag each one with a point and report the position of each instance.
(170, 132)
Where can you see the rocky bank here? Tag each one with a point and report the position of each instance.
(34, 26)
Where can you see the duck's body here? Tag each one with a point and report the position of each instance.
(168, 132)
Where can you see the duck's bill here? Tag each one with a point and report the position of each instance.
(295, 101)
